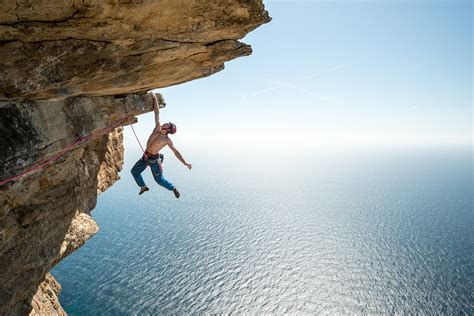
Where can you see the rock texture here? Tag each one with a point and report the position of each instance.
(56, 49)
(72, 73)
(45, 301)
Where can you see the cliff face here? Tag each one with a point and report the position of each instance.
(72, 73)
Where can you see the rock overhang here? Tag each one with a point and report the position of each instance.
(93, 48)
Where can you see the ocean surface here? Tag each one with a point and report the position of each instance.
(329, 232)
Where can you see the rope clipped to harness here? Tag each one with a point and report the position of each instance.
(160, 157)
(145, 154)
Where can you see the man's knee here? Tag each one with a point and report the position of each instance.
(163, 182)
(159, 179)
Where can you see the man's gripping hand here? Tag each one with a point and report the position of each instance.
(160, 101)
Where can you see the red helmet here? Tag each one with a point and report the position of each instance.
(171, 128)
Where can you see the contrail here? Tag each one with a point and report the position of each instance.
(291, 84)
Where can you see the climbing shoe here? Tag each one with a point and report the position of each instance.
(176, 193)
(143, 189)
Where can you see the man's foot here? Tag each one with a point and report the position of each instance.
(143, 189)
(176, 193)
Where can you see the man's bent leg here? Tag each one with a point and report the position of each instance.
(137, 170)
(158, 175)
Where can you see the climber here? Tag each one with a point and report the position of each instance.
(157, 141)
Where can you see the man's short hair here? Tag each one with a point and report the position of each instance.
(171, 128)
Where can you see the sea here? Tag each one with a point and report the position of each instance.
(326, 231)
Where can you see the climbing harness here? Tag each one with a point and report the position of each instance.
(152, 158)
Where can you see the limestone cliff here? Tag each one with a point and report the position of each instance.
(72, 73)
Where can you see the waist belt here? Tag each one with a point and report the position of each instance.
(153, 158)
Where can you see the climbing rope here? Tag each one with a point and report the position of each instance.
(131, 125)
(56, 156)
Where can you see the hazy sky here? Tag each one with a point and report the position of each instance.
(336, 73)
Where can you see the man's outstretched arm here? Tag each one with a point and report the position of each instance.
(156, 109)
(179, 156)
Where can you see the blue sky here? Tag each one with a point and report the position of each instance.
(347, 73)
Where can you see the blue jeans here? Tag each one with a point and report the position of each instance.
(156, 170)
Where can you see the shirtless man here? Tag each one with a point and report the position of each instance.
(152, 157)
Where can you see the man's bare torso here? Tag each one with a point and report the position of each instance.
(156, 142)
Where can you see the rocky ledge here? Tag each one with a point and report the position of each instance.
(72, 73)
